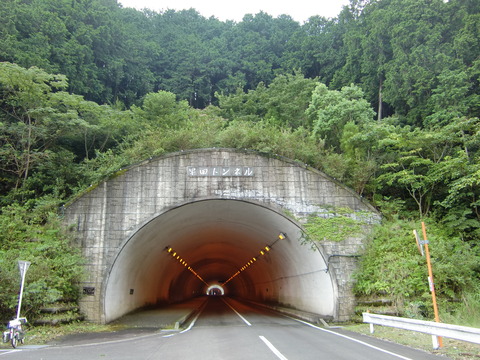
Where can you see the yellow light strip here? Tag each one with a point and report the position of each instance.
(250, 262)
(184, 263)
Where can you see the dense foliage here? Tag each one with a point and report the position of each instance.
(384, 98)
(36, 236)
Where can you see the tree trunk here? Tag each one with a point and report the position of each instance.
(379, 111)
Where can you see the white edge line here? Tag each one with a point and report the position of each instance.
(273, 348)
(10, 351)
(101, 343)
(192, 323)
(189, 326)
(120, 340)
(352, 339)
(167, 336)
(236, 312)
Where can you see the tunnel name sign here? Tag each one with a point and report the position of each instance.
(222, 171)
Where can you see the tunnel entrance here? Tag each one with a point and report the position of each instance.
(235, 244)
(217, 210)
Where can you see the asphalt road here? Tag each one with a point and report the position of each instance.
(227, 329)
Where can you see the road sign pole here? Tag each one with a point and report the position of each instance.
(437, 340)
(23, 266)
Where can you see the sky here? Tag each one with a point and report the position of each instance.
(299, 10)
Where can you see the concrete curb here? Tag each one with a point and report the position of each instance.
(184, 319)
(297, 314)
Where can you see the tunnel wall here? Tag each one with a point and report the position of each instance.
(109, 214)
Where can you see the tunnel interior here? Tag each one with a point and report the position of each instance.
(229, 247)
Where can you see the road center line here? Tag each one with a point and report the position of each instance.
(236, 312)
(273, 348)
(353, 339)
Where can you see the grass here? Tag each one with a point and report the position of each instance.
(453, 349)
(40, 335)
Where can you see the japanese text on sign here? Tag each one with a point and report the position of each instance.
(220, 171)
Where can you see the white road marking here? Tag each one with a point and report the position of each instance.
(273, 348)
(9, 352)
(189, 326)
(352, 339)
(167, 336)
(194, 320)
(236, 312)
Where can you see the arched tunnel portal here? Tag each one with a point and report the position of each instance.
(216, 209)
(216, 239)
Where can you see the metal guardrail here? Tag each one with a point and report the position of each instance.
(457, 332)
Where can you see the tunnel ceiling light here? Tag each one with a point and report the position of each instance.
(250, 262)
(177, 257)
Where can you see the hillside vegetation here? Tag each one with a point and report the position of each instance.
(384, 98)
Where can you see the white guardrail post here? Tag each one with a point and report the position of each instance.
(457, 332)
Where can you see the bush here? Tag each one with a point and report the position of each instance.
(55, 270)
(465, 312)
(392, 266)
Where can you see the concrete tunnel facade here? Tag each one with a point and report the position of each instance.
(170, 228)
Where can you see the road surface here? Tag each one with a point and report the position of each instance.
(226, 329)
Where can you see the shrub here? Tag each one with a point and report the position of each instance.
(392, 266)
(55, 270)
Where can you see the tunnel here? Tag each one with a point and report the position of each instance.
(239, 248)
(200, 221)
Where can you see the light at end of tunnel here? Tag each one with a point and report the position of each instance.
(215, 290)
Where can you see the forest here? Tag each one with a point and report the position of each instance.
(384, 98)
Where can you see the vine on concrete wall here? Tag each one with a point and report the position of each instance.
(333, 225)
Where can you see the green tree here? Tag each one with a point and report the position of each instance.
(192, 58)
(248, 105)
(288, 97)
(317, 49)
(282, 103)
(257, 45)
(39, 121)
(331, 110)
(161, 110)
(29, 125)
(428, 160)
